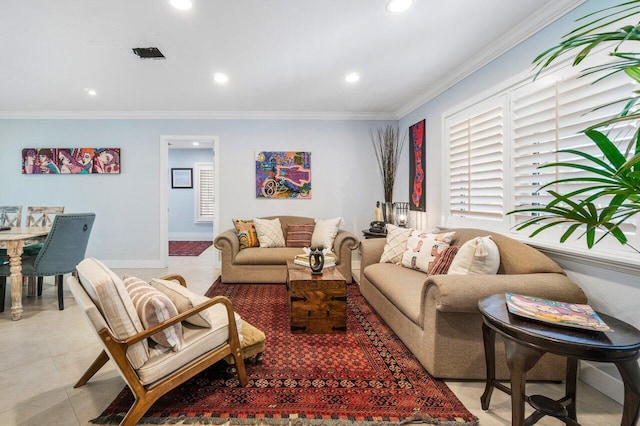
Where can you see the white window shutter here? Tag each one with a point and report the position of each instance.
(204, 192)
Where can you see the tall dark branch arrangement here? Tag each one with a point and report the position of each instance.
(388, 145)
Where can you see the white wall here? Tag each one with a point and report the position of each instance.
(612, 292)
(126, 232)
(181, 201)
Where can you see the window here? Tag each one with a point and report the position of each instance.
(204, 192)
(495, 144)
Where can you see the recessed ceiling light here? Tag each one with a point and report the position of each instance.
(352, 77)
(220, 78)
(181, 4)
(397, 6)
(90, 92)
(196, 143)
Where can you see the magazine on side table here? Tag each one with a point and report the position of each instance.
(554, 312)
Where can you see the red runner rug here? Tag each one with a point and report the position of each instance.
(364, 377)
(188, 248)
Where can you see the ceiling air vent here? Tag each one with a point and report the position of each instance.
(148, 53)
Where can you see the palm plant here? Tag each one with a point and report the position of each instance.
(609, 191)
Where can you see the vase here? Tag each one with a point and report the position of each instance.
(316, 261)
(387, 212)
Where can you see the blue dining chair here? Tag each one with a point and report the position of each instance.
(62, 250)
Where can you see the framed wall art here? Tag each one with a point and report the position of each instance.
(53, 161)
(283, 174)
(416, 167)
(181, 178)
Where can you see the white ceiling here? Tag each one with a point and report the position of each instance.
(283, 57)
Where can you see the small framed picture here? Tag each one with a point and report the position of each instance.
(181, 178)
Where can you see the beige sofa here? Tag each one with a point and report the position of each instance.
(437, 316)
(268, 265)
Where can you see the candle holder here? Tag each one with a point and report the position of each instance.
(401, 213)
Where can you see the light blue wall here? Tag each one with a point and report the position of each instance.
(126, 232)
(181, 201)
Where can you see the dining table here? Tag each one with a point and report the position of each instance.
(14, 240)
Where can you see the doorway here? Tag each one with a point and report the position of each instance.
(184, 142)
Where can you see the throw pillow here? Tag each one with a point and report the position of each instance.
(423, 247)
(477, 256)
(442, 263)
(246, 233)
(153, 308)
(396, 244)
(269, 232)
(184, 299)
(300, 235)
(325, 232)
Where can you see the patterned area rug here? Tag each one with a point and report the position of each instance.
(364, 377)
(188, 248)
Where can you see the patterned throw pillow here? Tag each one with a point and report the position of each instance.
(153, 308)
(477, 256)
(184, 299)
(441, 264)
(299, 235)
(269, 232)
(246, 233)
(396, 244)
(423, 247)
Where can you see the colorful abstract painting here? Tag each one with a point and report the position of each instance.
(48, 161)
(416, 167)
(283, 174)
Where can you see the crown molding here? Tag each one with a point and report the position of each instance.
(536, 22)
(197, 115)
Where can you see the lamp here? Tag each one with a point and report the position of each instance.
(401, 211)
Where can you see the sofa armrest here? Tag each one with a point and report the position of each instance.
(461, 293)
(228, 243)
(344, 242)
(371, 251)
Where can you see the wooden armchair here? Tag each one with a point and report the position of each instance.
(106, 304)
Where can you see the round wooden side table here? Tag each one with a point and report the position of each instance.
(527, 340)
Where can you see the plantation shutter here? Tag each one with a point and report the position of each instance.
(550, 115)
(476, 164)
(204, 192)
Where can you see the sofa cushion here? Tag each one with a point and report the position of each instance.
(423, 247)
(108, 293)
(396, 244)
(325, 232)
(247, 234)
(269, 232)
(154, 308)
(442, 263)
(299, 235)
(272, 256)
(184, 299)
(403, 287)
(477, 256)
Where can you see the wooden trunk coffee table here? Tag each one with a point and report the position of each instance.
(318, 303)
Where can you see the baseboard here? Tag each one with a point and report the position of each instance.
(190, 236)
(604, 378)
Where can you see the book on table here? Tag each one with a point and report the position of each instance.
(303, 260)
(555, 312)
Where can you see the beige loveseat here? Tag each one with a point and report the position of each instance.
(437, 316)
(268, 265)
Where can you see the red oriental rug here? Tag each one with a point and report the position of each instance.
(364, 377)
(188, 248)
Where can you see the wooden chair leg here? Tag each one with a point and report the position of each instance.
(40, 282)
(93, 369)
(137, 410)
(59, 282)
(3, 288)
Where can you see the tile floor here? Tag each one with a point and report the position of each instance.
(43, 355)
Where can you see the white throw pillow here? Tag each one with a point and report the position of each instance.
(184, 299)
(423, 247)
(478, 256)
(396, 244)
(325, 232)
(269, 232)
